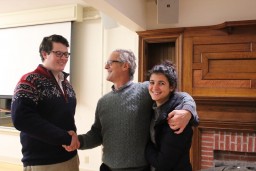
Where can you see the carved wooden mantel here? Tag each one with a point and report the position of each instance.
(217, 65)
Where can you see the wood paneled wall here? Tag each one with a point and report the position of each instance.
(222, 62)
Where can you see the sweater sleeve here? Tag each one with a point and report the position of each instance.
(189, 104)
(93, 137)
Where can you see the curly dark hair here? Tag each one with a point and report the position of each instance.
(168, 69)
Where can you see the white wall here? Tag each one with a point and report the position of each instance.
(204, 12)
(86, 78)
(119, 37)
(139, 15)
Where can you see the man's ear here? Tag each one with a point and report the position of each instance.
(126, 66)
(44, 54)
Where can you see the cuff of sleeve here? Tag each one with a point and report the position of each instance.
(81, 140)
(191, 110)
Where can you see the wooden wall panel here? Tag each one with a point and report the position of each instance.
(223, 65)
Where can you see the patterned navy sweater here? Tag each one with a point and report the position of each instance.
(44, 114)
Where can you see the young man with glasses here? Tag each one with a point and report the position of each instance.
(43, 109)
(122, 117)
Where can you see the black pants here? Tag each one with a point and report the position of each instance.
(104, 167)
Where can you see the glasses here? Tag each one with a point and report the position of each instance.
(109, 62)
(60, 54)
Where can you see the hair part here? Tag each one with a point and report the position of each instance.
(46, 44)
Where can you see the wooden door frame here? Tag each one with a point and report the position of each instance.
(157, 36)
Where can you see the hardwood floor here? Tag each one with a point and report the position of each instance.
(10, 167)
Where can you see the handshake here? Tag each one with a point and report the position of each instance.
(75, 144)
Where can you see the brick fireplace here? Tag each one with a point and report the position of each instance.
(226, 133)
(217, 145)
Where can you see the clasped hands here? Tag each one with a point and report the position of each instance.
(75, 144)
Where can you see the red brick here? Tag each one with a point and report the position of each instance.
(239, 147)
(239, 139)
(207, 133)
(245, 138)
(250, 144)
(207, 144)
(207, 138)
(207, 155)
(222, 145)
(222, 137)
(254, 143)
(245, 147)
(207, 158)
(206, 149)
(233, 137)
(216, 141)
(239, 143)
(216, 137)
(206, 164)
(233, 147)
(227, 143)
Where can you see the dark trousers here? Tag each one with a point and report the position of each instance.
(104, 167)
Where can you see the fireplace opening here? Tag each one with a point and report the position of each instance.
(227, 156)
(233, 161)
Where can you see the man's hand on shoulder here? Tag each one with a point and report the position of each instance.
(178, 120)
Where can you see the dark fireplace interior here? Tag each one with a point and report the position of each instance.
(234, 160)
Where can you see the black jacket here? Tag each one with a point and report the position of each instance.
(170, 151)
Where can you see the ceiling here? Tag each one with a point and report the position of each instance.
(12, 6)
(7, 6)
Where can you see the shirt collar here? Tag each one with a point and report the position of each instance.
(121, 88)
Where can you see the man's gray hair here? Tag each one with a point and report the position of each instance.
(129, 57)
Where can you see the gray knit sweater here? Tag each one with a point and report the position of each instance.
(121, 125)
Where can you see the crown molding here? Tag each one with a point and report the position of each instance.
(65, 13)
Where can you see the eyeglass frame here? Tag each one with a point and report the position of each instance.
(110, 62)
(59, 54)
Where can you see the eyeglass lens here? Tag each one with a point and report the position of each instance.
(60, 54)
(109, 62)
